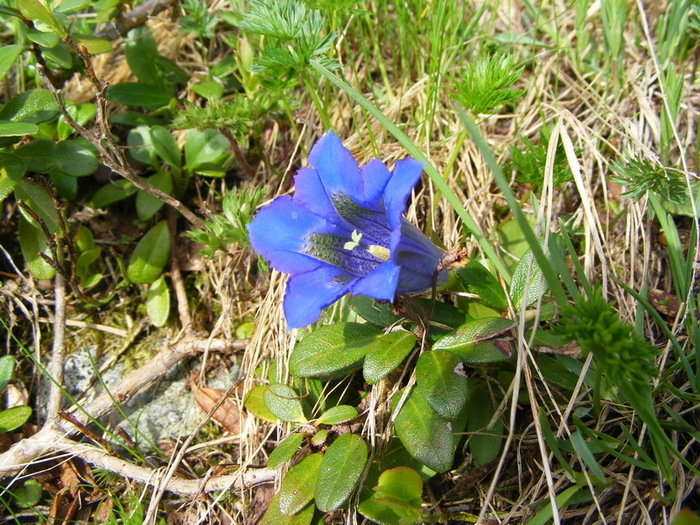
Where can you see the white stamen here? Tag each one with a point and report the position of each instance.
(351, 245)
(380, 252)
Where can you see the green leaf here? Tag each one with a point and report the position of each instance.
(141, 145)
(255, 403)
(69, 157)
(8, 55)
(485, 443)
(29, 494)
(81, 113)
(203, 148)
(37, 11)
(396, 499)
(148, 205)
(475, 341)
(337, 414)
(17, 129)
(33, 107)
(284, 451)
(165, 145)
(386, 354)
(12, 169)
(373, 311)
(7, 368)
(284, 403)
(476, 279)
(40, 202)
(150, 255)
(297, 488)
(112, 192)
(13, 418)
(136, 94)
(427, 436)
(33, 242)
(442, 382)
(537, 286)
(141, 52)
(94, 44)
(340, 471)
(332, 348)
(158, 302)
(273, 516)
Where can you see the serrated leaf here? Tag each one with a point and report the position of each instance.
(8, 55)
(284, 451)
(476, 279)
(7, 368)
(337, 414)
(17, 129)
(137, 94)
(12, 169)
(284, 403)
(158, 302)
(441, 380)
(332, 348)
(148, 205)
(40, 202)
(14, 417)
(340, 471)
(427, 436)
(165, 145)
(150, 255)
(273, 516)
(386, 354)
(33, 106)
(537, 286)
(254, 402)
(32, 241)
(297, 488)
(475, 341)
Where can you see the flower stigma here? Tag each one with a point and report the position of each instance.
(351, 245)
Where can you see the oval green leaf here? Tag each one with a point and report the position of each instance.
(273, 516)
(12, 169)
(442, 382)
(386, 354)
(13, 418)
(17, 129)
(32, 241)
(340, 471)
(298, 485)
(337, 414)
(39, 200)
(255, 404)
(284, 451)
(148, 205)
(284, 403)
(158, 302)
(476, 279)
(34, 107)
(8, 54)
(332, 348)
(165, 145)
(7, 367)
(427, 436)
(137, 94)
(150, 255)
(475, 341)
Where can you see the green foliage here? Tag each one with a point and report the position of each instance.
(529, 162)
(621, 354)
(641, 176)
(198, 19)
(15, 417)
(484, 83)
(229, 228)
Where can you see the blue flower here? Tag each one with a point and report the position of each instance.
(343, 231)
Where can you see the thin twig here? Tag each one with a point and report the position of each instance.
(183, 309)
(134, 18)
(58, 352)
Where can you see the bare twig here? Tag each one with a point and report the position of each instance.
(183, 309)
(54, 442)
(134, 18)
(58, 352)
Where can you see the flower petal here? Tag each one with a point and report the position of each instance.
(310, 192)
(278, 231)
(309, 293)
(375, 175)
(381, 284)
(406, 175)
(336, 167)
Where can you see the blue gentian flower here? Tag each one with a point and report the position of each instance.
(343, 231)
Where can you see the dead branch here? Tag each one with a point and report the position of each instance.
(134, 18)
(58, 351)
(50, 442)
